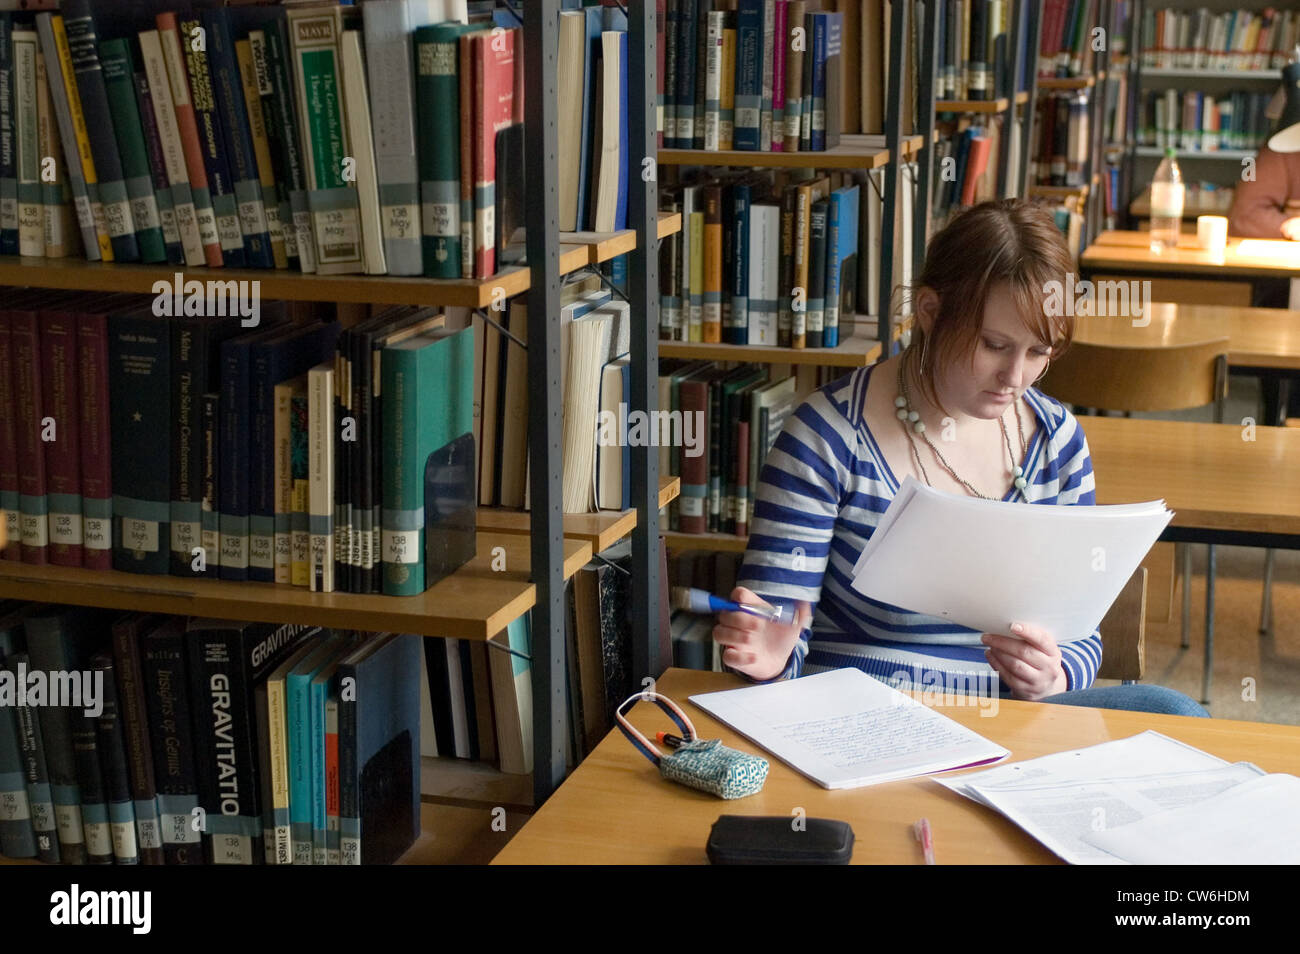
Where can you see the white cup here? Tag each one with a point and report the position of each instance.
(1212, 233)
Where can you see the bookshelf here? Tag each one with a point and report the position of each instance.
(1137, 162)
(542, 548)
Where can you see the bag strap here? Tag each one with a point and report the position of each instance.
(642, 744)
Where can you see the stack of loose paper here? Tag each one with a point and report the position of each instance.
(844, 729)
(988, 563)
(1147, 799)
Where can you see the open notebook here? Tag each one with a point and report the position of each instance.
(844, 729)
(988, 563)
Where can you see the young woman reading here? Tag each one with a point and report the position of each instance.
(956, 410)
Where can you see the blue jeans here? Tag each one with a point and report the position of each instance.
(1132, 698)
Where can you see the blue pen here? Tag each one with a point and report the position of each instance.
(702, 601)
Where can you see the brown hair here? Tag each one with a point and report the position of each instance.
(1009, 240)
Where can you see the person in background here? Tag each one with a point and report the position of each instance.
(1268, 205)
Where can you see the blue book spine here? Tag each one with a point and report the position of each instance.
(687, 53)
(817, 135)
(298, 688)
(232, 439)
(228, 93)
(83, 47)
(620, 212)
(831, 308)
(672, 23)
(8, 152)
(212, 142)
(749, 75)
(738, 333)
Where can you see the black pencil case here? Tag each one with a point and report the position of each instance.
(779, 840)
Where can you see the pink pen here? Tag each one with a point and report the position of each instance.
(926, 837)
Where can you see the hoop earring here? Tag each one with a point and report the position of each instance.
(1044, 374)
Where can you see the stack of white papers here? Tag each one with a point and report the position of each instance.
(988, 563)
(1147, 799)
(844, 729)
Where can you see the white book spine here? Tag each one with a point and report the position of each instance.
(713, 80)
(391, 74)
(769, 36)
(30, 210)
(357, 112)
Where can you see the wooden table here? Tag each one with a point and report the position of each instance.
(1223, 489)
(1130, 253)
(1257, 337)
(615, 809)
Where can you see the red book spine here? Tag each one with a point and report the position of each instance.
(35, 531)
(188, 126)
(331, 786)
(494, 81)
(694, 470)
(8, 450)
(741, 479)
(96, 451)
(59, 435)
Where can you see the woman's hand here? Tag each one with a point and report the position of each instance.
(759, 648)
(1029, 662)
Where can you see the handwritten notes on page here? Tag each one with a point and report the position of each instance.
(844, 729)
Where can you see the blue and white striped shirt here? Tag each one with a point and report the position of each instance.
(825, 486)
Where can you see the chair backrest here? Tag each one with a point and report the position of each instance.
(1123, 631)
(1149, 378)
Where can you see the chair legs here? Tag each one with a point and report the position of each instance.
(1187, 594)
(1266, 603)
(1209, 625)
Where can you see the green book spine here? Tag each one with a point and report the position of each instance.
(427, 388)
(119, 81)
(437, 96)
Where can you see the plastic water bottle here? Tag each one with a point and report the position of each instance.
(1166, 203)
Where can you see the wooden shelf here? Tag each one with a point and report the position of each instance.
(577, 250)
(1069, 82)
(1156, 152)
(674, 540)
(857, 351)
(601, 530)
(459, 835)
(1022, 97)
(454, 781)
(974, 105)
(911, 145)
(853, 152)
(1058, 192)
(1179, 72)
(475, 602)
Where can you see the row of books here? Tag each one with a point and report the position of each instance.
(962, 159)
(1230, 40)
(1196, 121)
(1062, 147)
(766, 258)
(767, 76)
(199, 741)
(173, 444)
(974, 52)
(595, 380)
(1114, 119)
(731, 417)
(1066, 40)
(322, 139)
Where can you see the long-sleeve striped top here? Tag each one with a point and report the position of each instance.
(825, 486)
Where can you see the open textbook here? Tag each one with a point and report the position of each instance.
(988, 563)
(1147, 799)
(844, 729)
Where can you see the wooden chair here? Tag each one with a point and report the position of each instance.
(1147, 378)
(1123, 632)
